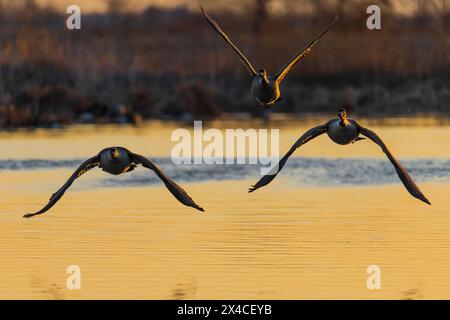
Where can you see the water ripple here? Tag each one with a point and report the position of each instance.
(305, 171)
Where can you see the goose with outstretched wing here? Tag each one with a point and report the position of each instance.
(116, 161)
(344, 131)
(265, 88)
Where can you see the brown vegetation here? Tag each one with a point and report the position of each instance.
(127, 66)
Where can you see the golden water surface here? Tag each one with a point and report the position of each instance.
(282, 242)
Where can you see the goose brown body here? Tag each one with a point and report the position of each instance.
(115, 160)
(343, 130)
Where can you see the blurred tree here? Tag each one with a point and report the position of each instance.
(117, 6)
(260, 15)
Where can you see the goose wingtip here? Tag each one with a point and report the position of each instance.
(424, 199)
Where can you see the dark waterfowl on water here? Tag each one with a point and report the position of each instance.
(265, 88)
(344, 131)
(117, 160)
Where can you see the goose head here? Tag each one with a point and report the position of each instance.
(342, 114)
(114, 153)
(263, 74)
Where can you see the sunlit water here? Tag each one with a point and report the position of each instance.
(311, 233)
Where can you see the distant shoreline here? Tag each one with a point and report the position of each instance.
(245, 120)
(167, 64)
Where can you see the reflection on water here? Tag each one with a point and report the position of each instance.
(311, 234)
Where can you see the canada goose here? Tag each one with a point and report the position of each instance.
(117, 160)
(265, 88)
(345, 131)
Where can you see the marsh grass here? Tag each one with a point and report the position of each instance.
(125, 66)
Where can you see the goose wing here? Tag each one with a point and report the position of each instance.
(303, 53)
(216, 27)
(174, 188)
(404, 176)
(308, 136)
(85, 167)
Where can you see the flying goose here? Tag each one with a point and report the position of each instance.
(344, 131)
(265, 89)
(118, 160)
